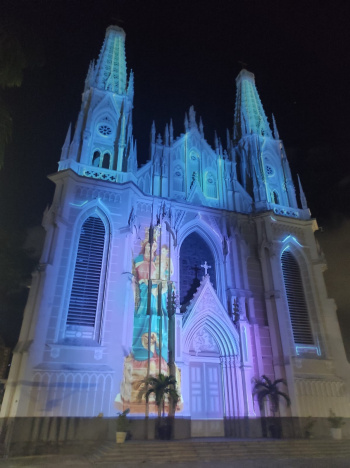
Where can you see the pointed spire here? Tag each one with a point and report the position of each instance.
(153, 132)
(228, 140)
(110, 72)
(166, 135)
(130, 91)
(216, 141)
(249, 108)
(192, 116)
(186, 122)
(275, 131)
(302, 195)
(171, 131)
(220, 147)
(201, 127)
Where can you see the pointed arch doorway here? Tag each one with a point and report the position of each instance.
(211, 352)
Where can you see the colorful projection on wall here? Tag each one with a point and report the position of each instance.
(154, 294)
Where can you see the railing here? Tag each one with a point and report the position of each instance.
(93, 172)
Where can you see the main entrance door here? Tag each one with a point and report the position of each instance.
(206, 399)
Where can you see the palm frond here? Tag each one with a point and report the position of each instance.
(285, 396)
(264, 389)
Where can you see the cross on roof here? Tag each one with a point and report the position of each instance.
(205, 266)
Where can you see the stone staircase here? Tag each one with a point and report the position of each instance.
(206, 450)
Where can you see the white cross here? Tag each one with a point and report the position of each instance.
(205, 266)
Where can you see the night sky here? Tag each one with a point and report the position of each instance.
(187, 53)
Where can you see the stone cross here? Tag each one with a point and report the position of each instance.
(205, 266)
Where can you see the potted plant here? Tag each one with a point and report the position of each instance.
(122, 426)
(265, 389)
(336, 423)
(162, 386)
(310, 422)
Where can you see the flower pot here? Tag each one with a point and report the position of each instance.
(336, 433)
(120, 437)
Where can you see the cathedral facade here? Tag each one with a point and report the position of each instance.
(202, 264)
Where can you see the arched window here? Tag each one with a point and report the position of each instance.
(210, 185)
(298, 311)
(106, 161)
(96, 158)
(178, 181)
(194, 252)
(275, 197)
(86, 294)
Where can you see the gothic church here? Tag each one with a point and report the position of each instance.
(202, 263)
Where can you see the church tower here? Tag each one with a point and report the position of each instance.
(103, 146)
(200, 264)
(263, 167)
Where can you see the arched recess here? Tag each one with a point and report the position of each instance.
(216, 273)
(194, 252)
(275, 197)
(302, 274)
(222, 331)
(91, 236)
(178, 178)
(211, 350)
(210, 185)
(104, 128)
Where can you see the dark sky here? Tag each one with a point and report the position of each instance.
(187, 53)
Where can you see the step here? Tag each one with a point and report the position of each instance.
(225, 450)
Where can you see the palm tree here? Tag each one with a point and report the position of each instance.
(264, 389)
(161, 386)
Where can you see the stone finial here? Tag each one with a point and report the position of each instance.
(153, 132)
(192, 118)
(186, 122)
(171, 131)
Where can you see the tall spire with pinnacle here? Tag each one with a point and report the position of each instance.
(250, 116)
(103, 134)
(110, 70)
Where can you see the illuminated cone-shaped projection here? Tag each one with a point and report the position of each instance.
(249, 113)
(110, 73)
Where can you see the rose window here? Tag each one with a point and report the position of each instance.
(104, 130)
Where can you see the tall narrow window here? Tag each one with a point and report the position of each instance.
(210, 186)
(83, 305)
(178, 181)
(297, 306)
(96, 159)
(275, 197)
(106, 161)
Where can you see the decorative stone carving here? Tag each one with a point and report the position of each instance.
(98, 354)
(55, 352)
(203, 341)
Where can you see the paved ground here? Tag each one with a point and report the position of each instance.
(58, 461)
